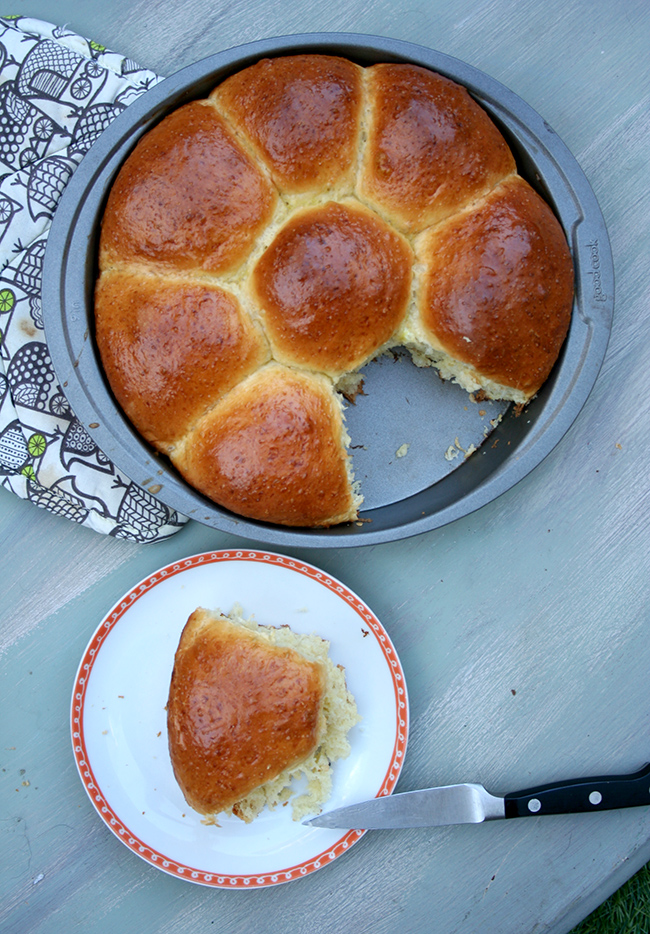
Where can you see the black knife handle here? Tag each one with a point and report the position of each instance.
(581, 794)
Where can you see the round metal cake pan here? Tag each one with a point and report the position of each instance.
(404, 409)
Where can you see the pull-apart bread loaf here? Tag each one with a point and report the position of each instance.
(260, 246)
(250, 709)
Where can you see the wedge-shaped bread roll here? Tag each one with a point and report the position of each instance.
(431, 149)
(250, 709)
(188, 197)
(496, 293)
(302, 115)
(274, 449)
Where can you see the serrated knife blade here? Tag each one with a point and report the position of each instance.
(470, 803)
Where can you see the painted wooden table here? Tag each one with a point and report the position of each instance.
(522, 628)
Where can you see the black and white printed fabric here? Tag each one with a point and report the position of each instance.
(58, 92)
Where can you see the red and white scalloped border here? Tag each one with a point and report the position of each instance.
(139, 847)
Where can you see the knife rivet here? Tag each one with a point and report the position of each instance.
(534, 805)
(595, 797)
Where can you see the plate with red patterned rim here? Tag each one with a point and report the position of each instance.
(119, 730)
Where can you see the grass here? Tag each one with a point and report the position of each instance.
(627, 911)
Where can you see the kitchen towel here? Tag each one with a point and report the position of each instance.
(58, 92)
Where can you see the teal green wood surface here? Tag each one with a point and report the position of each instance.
(523, 628)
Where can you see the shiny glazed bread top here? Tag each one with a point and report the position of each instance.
(305, 217)
(240, 711)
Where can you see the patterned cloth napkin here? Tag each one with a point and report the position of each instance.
(58, 92)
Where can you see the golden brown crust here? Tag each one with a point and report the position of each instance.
(497, 292)
(333, 287)
(240, 711)
(170, 348)
(188, 197)
(431, 148)
(273, 450)
(302, 115)
(399, 220)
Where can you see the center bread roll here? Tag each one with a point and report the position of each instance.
(333, 287)
(251, 709)
(260, 246)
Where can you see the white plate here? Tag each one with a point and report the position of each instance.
(119, 732)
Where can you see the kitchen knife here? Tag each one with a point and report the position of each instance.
(472, 804)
